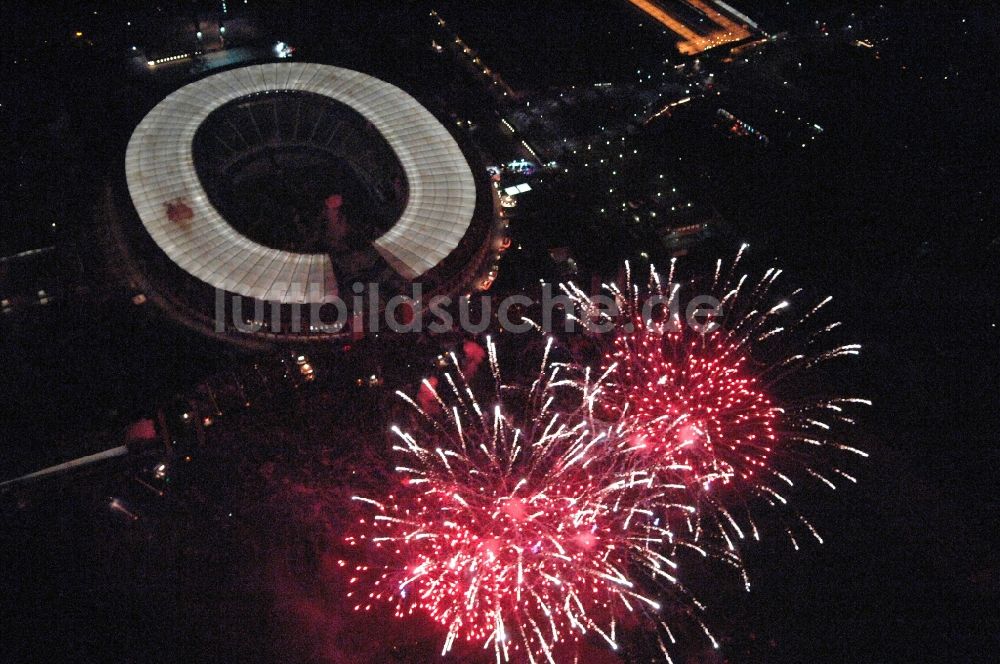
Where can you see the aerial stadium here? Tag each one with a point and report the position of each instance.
(254, 198)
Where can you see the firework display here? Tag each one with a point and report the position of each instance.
(514, 526)
(726, 400)
(532, 517)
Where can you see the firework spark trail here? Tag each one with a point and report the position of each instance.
(721, 403)
(516, 525)
(527, 520)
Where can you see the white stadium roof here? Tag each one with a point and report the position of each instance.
(161, 174)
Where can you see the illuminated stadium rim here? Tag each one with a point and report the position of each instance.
(175, 210)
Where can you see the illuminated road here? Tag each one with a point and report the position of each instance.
(691, 42)
(734, 31)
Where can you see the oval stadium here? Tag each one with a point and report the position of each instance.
(255, 198)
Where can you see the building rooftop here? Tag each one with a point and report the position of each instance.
(175, 209)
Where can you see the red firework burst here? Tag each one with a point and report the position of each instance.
(491, 567)
(514, 529)
(695, 401)
(720, 402)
